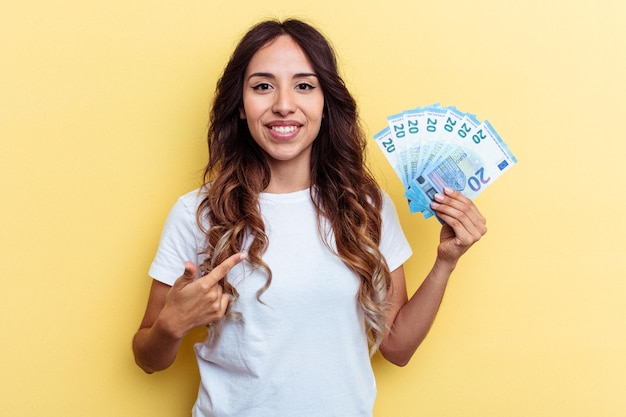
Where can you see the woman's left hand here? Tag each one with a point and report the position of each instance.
(464, 225)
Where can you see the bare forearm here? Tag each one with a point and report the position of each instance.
(415, 318)
(155, 348)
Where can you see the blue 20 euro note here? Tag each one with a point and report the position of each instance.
(434, 147)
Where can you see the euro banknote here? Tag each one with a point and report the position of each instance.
(434, 147)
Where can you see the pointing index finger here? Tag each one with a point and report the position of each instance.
(222, 269)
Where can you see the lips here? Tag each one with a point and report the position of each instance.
(284, 129)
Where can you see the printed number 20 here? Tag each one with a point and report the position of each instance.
(389, 146)
(480, 135)
(475, 183)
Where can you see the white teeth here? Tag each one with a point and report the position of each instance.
(284, 129)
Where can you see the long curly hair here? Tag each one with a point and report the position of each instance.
(344, 191)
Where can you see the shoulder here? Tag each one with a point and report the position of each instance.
(191, 200)
(394, 244)
(184, 213)
(388, 207)
(386, 199)
(186, 206)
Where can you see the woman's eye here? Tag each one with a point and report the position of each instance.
(261, 87)
(304, 86)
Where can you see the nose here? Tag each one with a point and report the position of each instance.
(284, 102)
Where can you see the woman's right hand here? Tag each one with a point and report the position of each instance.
(192, 302)
(173, 311)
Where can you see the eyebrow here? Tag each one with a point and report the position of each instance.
(270, 75)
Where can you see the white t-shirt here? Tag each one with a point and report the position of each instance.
(302, 351)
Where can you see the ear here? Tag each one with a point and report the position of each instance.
(242, 113)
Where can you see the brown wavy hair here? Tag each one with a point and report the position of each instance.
(343, 190)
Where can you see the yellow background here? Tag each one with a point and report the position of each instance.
(103, 111)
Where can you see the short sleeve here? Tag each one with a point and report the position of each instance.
(180, 240)
(393, 244)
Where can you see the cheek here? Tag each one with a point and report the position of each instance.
(321, 107)
(321, 111)
(252, 109)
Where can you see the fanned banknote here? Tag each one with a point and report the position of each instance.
(433, 147)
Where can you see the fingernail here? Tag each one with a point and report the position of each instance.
(243, 255)
(434, 205)
(439, 197)
(448, 190)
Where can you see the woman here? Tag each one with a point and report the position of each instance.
(299, 251)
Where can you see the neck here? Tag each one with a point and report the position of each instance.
(280, 185)
(287, 180)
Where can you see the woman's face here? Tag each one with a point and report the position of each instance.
(283, 104)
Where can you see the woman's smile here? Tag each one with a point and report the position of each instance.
(284, 130)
